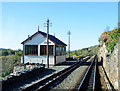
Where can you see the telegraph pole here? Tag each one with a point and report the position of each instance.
(69, 42)
(48, 41)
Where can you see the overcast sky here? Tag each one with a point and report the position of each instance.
(85, 20)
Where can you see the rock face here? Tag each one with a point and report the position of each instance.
(119, 63)
(110, 63)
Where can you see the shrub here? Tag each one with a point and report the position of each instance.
(110, 46)
(79, 56)
(114, 37)
(7, 64)
(111, 39)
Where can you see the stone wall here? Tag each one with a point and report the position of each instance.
(119, 63)
(110, 63)
(21, 76)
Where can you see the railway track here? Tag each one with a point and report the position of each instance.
(88, 81)
(54, 79)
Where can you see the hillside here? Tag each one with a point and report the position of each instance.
(6, 52)
(85, 51)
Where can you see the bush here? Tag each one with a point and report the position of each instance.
(114, 35)
(110, 46)
(8, 63)
(110, 38)
(79, 56)
(85, 51)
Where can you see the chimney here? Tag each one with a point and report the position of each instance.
(29, 37)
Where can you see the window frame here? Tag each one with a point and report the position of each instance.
(46, 50)
(30, 50)
(60, 50)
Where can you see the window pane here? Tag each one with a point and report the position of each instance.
(43, 50)
(50, 49)
(57, 51)
(64, 50)
(31, 49)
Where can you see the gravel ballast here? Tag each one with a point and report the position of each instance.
(71, 81)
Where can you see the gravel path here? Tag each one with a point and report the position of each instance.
(72, 80)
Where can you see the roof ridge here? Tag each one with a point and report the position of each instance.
(51, 37)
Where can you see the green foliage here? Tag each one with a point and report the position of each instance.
(114, 35)
(110, 46)
(74, 53)
(11, 52)
(111, 38)
(19, 53)
(5, 73)
(85, 51)
(79, 56)
(9, 60)
(6, 52)
(7, 63)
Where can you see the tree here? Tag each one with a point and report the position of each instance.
(4, 53)
(18, 53)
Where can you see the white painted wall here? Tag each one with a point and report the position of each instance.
(38, 40)
(41, 40)
(22, 59)
(38, 59)
(60, 59)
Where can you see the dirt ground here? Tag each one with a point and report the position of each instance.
(105, 86)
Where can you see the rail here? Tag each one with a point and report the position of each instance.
(48, 82)
(88, 80)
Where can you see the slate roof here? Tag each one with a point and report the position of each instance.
(51, 37)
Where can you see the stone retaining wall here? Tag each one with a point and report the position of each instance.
(110, 64)
(119, 64)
